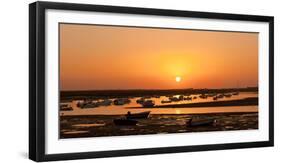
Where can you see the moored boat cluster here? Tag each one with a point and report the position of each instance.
(131, 119)
(146, 101)
(65, 107)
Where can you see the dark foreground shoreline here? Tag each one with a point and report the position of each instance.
(102, 125)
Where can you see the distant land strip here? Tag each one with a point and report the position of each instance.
(242, 102)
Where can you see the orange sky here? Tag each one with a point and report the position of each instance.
(110, 57)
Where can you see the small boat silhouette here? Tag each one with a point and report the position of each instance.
(140, 115)
(148, 103)
(235, 93)
(166, 101)
(191, 122)
(125, 122)
(141, 100)
(105, 102)
(121, 101)
(66, 108)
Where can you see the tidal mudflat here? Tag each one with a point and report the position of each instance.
(97, 125)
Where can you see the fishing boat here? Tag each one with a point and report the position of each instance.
(215, 98)
(106, 102)
(220, 96)
(67, 108)
(79, 104)
(227, 95)
(89, 105)
(63, 105)
(148, 103)
(121, 101)
(140, 115)
(200, 122)
(166, 101)
(118, 102)
(188, 98)
(173, 98)
(126, 100)
(203, 96)
(140, 100)
(125, 122)
(235, 93)
(181, 97)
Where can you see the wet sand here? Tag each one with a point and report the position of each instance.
(76, 126)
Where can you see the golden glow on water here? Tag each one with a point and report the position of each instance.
(118, 110)
(178, 111)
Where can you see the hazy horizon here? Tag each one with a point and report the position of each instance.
(156, 89)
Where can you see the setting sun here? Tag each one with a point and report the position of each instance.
(157, 59)
(178, 79)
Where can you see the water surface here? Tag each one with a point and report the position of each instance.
(120, 110)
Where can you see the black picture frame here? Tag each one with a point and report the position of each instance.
(37, 78)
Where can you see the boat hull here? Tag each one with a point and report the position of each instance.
(125, 122)
(141, 115)
(200, 122)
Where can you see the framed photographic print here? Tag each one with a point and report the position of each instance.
(118, 81)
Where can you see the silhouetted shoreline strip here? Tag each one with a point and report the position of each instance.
(242, 102)
(72, 95)
(168, 114)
